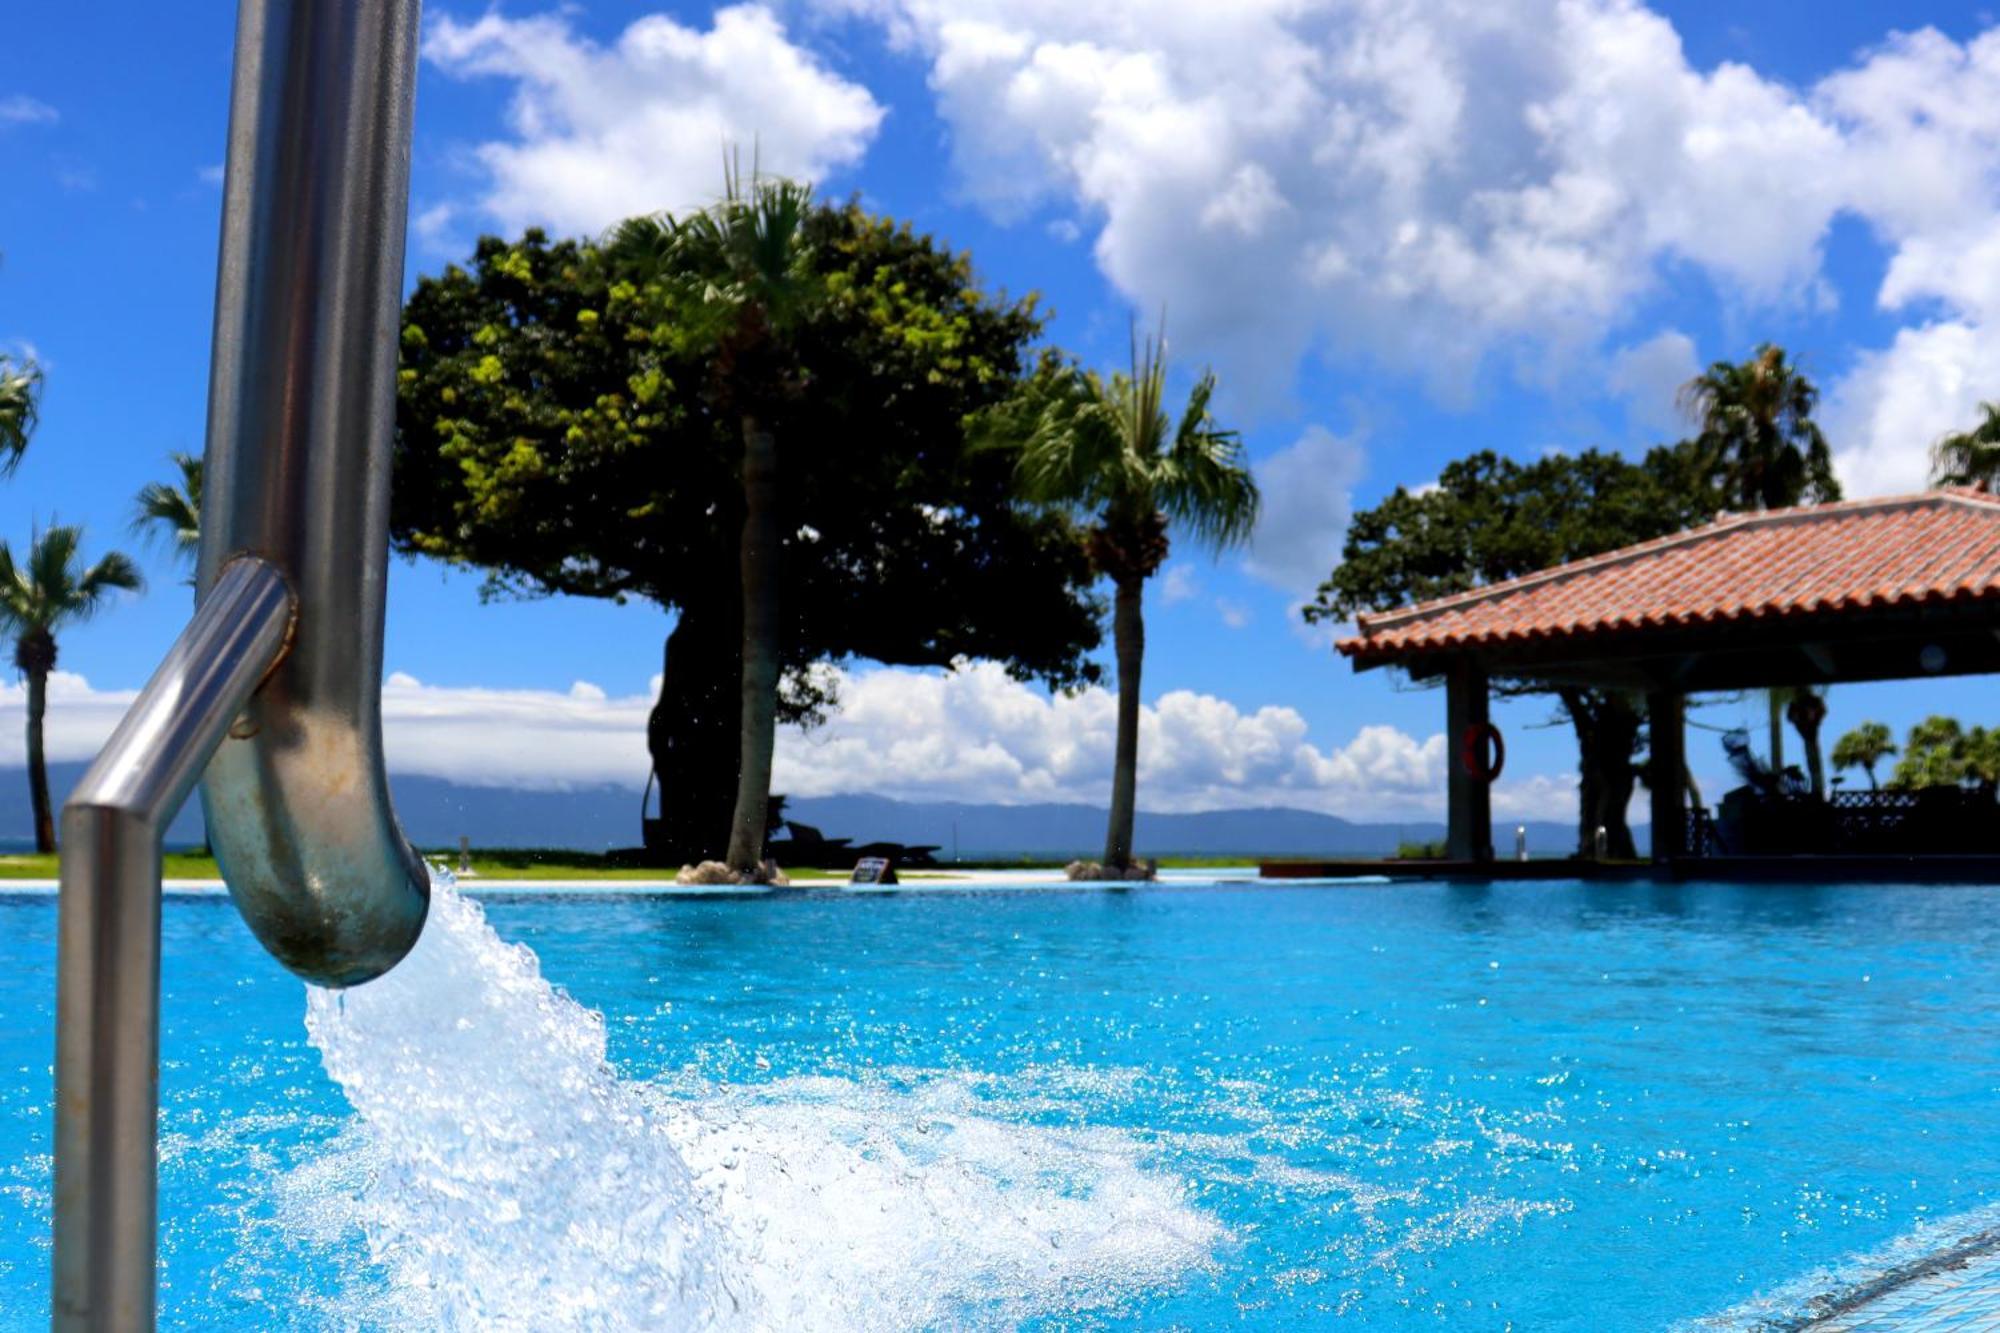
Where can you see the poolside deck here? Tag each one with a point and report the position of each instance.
(1429, 868)
(1746, 869)
(1954, 1292)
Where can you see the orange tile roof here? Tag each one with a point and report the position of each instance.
(1907, 550)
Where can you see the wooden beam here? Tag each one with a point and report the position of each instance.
(1666, 721)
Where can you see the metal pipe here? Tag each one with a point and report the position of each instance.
(108, 946)
(301, 417)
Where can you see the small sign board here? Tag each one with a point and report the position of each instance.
(873, 870)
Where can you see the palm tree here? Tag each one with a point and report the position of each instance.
(20, 403)
(173, 512)
(1863, 748)
(1106, 450)
(1757, 435)
(1758, 440)
(1981, 757)
(1933, 755)
(1969, 457)
(51, 590)
(757, 285)
(1805, 709)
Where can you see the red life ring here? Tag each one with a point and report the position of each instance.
(1473, 748)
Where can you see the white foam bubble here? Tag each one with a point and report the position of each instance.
(505, 1176)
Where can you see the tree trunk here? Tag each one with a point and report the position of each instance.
(1581, 720)
(1777, 702)
(1129, 634)
(1607, 729)
(38, 768)
(748, 827)
(693, 731)
(1618, 735)
(1869, 769)
(1617, 776)
(1815, 762)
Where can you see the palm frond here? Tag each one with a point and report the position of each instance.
(48, 589)
(1969, 457)
(1206, 486)
(114, 571)
(52, 563)
(172, 513)
(14, 603)
(20, 408)
(1105, 449)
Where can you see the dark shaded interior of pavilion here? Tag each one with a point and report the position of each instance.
(1769, 818)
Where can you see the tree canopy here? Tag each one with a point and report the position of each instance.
(1969, 457)
(556, 429)
(1106, 449)
(20, 403)
(1864, 747)
(559, 426)
(1758, 438)
(1491, 518)
(1939, 752)
(170, 511)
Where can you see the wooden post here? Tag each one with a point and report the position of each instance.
(1469, 835)
(1666, 718)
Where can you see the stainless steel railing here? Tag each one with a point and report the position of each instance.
(108, 944)
(272, 695)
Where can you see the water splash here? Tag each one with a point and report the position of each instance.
(506, 1177)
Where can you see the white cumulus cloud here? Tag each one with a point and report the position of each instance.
(601, 133)
(1648, 376)
(1444, 186)
(1419, 183)
(968, 735)
(1308, 497)
(976, 735)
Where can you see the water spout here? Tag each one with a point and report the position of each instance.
(301, 418)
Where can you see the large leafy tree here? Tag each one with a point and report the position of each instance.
(20, 403)
(50, 589)
(1969, 457)
(1106, 450)
(561, 426)
(1490, 519)
(1757, 433)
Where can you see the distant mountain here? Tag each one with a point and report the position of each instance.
(982, 832)
(436, 813)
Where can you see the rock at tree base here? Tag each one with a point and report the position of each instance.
(715, 872)
(1082, 871)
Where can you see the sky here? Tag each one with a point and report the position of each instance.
(1398, 230)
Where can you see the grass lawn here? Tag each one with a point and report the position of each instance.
(34, 865)
(533, 863)
(494, 863)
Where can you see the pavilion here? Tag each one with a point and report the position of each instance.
(1902, 587)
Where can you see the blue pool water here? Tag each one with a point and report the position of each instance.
(1555, 1106)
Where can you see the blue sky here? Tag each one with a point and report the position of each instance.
(1400, 232)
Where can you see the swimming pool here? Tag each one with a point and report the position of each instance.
(1537, 1106)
